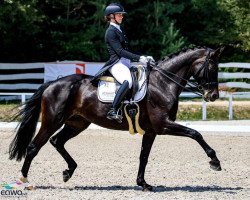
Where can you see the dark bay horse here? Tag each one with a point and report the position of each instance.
(72, 101)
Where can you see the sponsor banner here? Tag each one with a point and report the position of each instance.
(54, 71)
(27, 77)
(93, 68)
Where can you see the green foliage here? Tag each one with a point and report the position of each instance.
(172, 41)
(240, 13)
(38, 30)
(189, 113)
(216, 22)
(19, 28)
(151, 30)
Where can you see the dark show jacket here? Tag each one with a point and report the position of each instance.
(117, 45)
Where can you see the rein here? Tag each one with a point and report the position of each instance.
(171, 76)
(189, 83)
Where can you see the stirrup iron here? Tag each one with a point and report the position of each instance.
(118, 115)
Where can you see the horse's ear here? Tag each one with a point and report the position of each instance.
(217, 53)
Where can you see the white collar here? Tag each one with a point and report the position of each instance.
(116, 25)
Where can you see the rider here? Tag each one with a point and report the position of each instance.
(120, 56)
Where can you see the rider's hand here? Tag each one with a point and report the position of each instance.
(143, 60)
(150, 58)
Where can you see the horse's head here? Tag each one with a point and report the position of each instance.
(205, 72)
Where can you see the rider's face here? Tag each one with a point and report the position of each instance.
(119, 17)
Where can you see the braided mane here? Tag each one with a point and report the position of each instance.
(182, 51)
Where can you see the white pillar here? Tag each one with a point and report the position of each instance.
(230, 106)
(204, 110)
(23, 98)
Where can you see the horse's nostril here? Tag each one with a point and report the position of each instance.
(214, 96)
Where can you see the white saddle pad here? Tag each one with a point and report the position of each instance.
(106, 90)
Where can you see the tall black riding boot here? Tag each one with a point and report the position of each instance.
(122, 91)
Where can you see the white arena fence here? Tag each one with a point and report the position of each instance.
(20, 81)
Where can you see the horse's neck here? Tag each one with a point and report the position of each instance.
(180, 66)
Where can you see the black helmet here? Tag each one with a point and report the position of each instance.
(114, 8)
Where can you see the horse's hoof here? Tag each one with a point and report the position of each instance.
(66, 176)
(147, 188)
(215, 165)
(30, 187)
(25, 181)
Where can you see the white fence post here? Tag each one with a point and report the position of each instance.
(230, 106)
(23, 98)
(204, 110)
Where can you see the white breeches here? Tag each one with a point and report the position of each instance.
(121, 72)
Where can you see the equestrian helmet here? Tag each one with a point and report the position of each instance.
(114, 8)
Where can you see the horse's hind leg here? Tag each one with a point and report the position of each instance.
(58, 141)
(38, 142)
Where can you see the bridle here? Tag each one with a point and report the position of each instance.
(204, 84)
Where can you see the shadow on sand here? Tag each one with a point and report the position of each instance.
(212, 188)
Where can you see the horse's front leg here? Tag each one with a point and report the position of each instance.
(172, 128)
(147, 142)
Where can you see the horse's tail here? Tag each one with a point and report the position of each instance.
(27, 127)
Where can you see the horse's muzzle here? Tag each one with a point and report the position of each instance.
(211, 95)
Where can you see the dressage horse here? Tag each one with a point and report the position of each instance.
(72, 101)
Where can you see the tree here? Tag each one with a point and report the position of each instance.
(172, 41)
(151, 29)
(38, 30)
(76, 29)
(218, 22)
(19, 26)
(240, 11)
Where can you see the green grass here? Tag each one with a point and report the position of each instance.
(8, 111)
(194, 112)
(185, 112)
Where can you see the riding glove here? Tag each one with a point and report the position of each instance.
(150, 58)
(143, 60)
